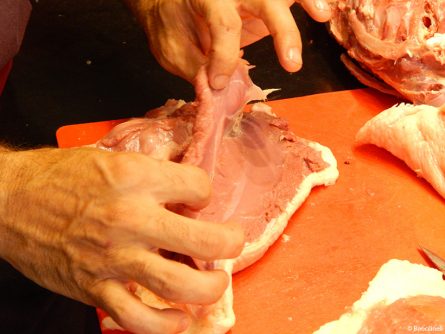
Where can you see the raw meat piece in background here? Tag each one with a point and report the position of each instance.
(261, 172)
(402, 43)
(402, 298)
(414, 134)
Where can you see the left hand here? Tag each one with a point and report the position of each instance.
(185, 34)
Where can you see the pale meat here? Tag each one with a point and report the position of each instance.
(261, 172)
(164, 133)
(405, 315)
(414, 134)
(402, 43)
(402, 298)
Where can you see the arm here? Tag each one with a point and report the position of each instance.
(81, 223)
(185, 34)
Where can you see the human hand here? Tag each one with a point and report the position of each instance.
(185, 34)
(82, 223)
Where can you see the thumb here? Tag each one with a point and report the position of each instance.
(224, 25)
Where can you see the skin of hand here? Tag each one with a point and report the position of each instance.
(185, 34)
(82, 223)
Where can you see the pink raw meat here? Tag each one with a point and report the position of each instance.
(261, 172)
(405, 315)
(402, 298)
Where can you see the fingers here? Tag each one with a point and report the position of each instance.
(168, 279)
(164, 181)
(134, 316)
(177, 54)
(198, 239)
(171, 32)
(134, 210)
(282, 26)
(224, 25)
(319, 10)
(180, 183)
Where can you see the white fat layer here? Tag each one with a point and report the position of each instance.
(437, 41)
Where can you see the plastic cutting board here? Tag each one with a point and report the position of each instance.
(339, 238)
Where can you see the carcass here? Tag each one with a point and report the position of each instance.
(395, 46)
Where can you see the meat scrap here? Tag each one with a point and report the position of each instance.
(402, 43)
(402, 298)
(414, 134)
(261, 172)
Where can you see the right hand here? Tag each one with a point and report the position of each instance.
(186, 34)
(81, 222)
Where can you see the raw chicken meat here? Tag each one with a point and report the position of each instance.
(260, 171)
(403, 298)
(400, 42)
(414, 134)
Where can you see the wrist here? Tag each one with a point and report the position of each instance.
(5, 185)
(13, 176)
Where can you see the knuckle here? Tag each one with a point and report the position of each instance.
(120, 169)
(210, 245)
(98, 294)
(227, 22)
(122, 314)
(224, 242)
(116, 211)
(118, 219)
(168, 285)
(142, 268)
(83, 283)
(119, 163)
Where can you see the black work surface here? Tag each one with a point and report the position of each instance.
(85, 61)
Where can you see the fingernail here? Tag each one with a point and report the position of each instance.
(294, 56)
(322, 5)
(220, 81)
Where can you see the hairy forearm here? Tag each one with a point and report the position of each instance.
(17, 168)
(8, 173)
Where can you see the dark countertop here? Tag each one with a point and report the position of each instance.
(85, 61)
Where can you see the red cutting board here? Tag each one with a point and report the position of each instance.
(339, 238)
